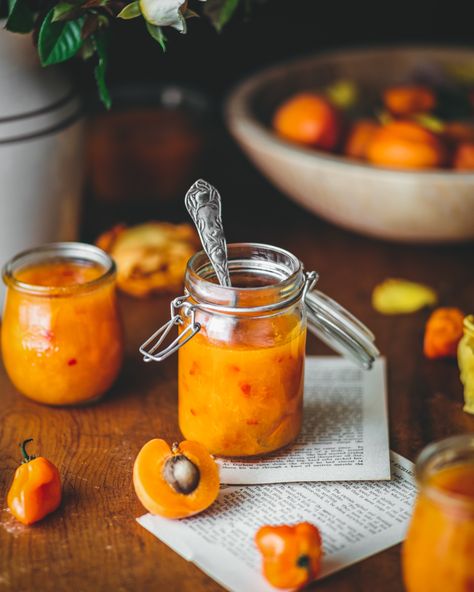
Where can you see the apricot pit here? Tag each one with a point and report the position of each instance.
(179, 472)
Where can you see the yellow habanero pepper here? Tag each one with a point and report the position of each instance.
(291, 554)
(466, 363)
(397, 296)
(36, 488)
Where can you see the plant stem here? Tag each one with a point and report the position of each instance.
(26, 456)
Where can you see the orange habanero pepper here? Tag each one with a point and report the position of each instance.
(291, 554)
(443, 333)
(36, 488)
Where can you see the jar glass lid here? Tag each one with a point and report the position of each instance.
(339, 329)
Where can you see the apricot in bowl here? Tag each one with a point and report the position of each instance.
(429, 205)
(309, 119)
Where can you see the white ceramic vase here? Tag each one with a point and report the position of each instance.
(40, 150)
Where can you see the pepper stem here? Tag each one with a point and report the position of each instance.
(26, 456)
(303, 561)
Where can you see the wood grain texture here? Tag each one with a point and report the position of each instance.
(92, 543)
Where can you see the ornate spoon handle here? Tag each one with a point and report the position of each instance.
(203, 203)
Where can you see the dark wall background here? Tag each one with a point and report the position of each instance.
(279, 29)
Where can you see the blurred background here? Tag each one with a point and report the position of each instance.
(208, 64)
(280, 29)
(166, 125)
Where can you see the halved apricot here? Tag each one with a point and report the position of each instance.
(175, 482)
(408, 100)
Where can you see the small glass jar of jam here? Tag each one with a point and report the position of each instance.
(242, 348)
(62, 338)
(438, 554)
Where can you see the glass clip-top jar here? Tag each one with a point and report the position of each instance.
(242, 348)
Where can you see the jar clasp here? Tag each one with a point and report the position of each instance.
(149, 349)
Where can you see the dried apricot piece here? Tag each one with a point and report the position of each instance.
(395, 296)
(151, 258)
(175, 482)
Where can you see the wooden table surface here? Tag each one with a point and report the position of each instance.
(92, 543)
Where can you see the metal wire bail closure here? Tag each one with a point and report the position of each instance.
(151, 345)
(327, 320)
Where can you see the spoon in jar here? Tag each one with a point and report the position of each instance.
(203, 203)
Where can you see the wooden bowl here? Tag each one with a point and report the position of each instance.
(401, 205)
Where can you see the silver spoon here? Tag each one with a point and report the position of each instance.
(203, 203)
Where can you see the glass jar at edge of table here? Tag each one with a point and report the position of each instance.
(62, 340)
(438, 554)
(242, 348)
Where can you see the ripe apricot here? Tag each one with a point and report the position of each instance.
(464, 157)
(175, 482)
(406, 100)
(406, 144)
(359, 138)
(310, 119)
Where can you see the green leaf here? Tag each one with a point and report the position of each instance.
(59, 41)
(157, 34)
(227, 12)
(130, 11)
(20, 17)
(100, 44)
(220, 11)
(63, 9)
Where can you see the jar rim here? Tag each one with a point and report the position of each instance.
(284, 291)
(63, 250)
(448, 448)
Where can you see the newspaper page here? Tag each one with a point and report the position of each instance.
(356, 519)
(344, 435)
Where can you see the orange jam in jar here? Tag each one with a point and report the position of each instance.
(242, 347)
(62, 338)
(241, 375)
(438, 554)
